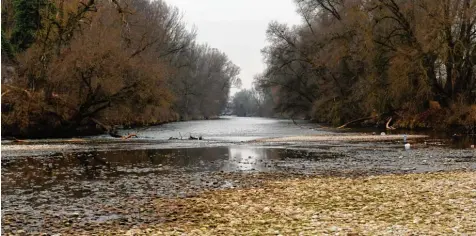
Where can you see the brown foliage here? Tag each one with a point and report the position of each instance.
(113, 62)
(351, 58)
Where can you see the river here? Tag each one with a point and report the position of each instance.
(51, 184)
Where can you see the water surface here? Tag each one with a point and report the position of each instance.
(54, 183)
(232, 129)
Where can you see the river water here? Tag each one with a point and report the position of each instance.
(232, 129)
(49, 184)
(224, 131)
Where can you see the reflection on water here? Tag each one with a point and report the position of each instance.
(88, 180)
(234, 129)
(43, 172)
(246, 159)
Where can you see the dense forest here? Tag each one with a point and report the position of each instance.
(370, 61)
(253, 102)
(84, 66)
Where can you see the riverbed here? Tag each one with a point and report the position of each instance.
(56, 185)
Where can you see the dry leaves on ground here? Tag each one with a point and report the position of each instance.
(429, 204)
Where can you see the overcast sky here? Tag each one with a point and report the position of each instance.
(237, 27)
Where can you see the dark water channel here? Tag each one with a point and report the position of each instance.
(40, 173)
(45, 193)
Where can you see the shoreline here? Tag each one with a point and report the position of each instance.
(359, 129)
(343, 138)
(113, 186)
(390, 204)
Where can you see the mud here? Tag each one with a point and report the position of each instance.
(55, 186)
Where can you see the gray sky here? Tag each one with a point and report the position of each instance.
(237, 27)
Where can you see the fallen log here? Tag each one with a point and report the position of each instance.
(112, 131)
(195, 138)
(355, 121)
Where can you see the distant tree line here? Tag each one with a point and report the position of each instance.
(73, 67)
(413, 61)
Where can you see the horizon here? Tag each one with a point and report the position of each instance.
(217, 26)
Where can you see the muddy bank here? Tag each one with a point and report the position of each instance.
(98, 183)
(346, 138)
(90, 190)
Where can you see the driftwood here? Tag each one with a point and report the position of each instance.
(112, 131)
(129, 136)
(114, 134)
(355, 121)
(387, 126)
(379, 116)
(195, 138)
(173, 138)
(189, 138)
(19, 141)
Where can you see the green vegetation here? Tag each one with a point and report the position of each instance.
(7, 48)
(81, 67)
(28, 20)
(409, 60)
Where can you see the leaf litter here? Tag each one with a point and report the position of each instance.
(428, 204)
